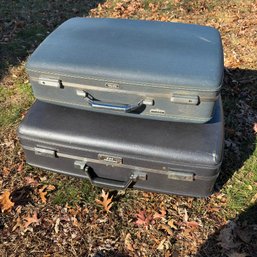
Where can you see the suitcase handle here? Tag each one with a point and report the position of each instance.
(106, 182)
(113, 106)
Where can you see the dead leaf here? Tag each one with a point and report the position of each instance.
(5, 203)
(43, 193)
(18, 224)
(192, 224)
(171, 224)
(128, 242)
(167, 229)
(160, 215)
(6, 171)
(164, 245)
(56, 226)
(254, 198)
(226, 237)
(31, 181)
(31, 219)
(143, 219)
(185, 218)
(106, 202)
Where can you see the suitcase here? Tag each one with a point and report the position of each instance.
(149, 69)
(117, 152)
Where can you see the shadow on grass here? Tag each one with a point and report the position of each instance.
(239, 95)
(24, 24)
(239, 236)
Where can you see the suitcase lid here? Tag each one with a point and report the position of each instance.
(153, 53)
(199, 145)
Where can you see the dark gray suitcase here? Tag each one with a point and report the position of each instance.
(120, 152)
(148, 69)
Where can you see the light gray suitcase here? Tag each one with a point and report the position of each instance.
(147, 69)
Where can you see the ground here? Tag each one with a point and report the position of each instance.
(45, 214)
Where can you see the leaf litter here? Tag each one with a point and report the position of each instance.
(136, 224)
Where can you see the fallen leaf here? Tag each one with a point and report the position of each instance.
(185, 218)
(167, 229)
(143, 219)
(31, 219)
(6, 171)
(5, 203)
(226, 237)
(254, 198)
(18, 224)
(192, 224)
(128, 242)
(43, 193)
(31, 181)
(171, 224)
(160, 215)
(106, 202)
(164, 245)
(56, 226)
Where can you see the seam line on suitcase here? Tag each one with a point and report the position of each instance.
(125, 82)
(216, 167)
(145, 114)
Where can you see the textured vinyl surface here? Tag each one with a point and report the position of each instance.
(172, 55)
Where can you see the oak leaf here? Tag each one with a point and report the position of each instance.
(43, 192)
(31, 219)
(18, 224)
(106, 202)
(143, 219)
(128, 242)
(5, 203)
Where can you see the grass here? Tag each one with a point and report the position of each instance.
(24, 26)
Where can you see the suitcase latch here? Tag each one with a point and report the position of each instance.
(178, 175)
(45, 152)
(50, 82)
(185, 99)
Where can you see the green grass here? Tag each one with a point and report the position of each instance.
(74, 193)
(242, 187)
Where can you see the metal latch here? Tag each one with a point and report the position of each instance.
(178, 175)
(185, 99)
(50, 82)
(45, 152)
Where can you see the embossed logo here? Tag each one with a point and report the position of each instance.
(112, 85)
(109, 158)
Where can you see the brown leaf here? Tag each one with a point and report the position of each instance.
(31, 181)
(142, 219)
(31, 219)
(18, 224)
(160, 215)
(43, 193)
(167, 229)
(192, 224)
(106, 202)
(254, 199)
(185, 218)
(5, 203)
(128, 242)
(171, 224)
(6, 171)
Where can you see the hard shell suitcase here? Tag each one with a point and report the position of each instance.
(114, 151)
(149, 69)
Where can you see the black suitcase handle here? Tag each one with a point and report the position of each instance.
(106, 182)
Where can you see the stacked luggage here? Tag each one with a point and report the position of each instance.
(128, 103)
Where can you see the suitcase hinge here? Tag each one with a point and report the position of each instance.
(45, 152)
(50, 82)
(185, 99)
(178, 175)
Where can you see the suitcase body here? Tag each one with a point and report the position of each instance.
(117, 152)
(147, 69)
